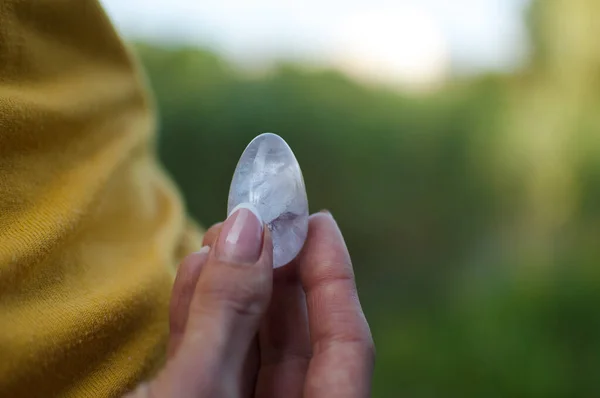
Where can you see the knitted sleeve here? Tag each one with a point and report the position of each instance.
(91, 229)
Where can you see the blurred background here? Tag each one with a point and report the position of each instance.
(456, 143)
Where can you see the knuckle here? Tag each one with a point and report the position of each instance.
(330, 273)
(243, 297)
(364, 346)
(244, 302)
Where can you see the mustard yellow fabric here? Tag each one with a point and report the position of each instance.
(91, 230)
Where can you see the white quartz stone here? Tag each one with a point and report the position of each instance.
(268, 177)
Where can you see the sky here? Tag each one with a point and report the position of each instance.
(410, 42)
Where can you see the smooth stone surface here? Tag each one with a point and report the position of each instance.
(268, 176)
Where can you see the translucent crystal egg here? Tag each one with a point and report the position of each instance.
(268, 176)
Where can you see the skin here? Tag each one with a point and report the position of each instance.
(246, 330)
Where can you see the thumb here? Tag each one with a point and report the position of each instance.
(230, 298)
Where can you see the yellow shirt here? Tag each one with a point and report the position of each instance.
(91, 230)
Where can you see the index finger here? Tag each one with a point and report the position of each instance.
(343, 349)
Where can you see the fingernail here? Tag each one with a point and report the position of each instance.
(325, 211)
(204, 250)
(240, 239)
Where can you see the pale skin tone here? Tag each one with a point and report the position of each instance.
(238, 328)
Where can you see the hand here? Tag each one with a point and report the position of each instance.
(241, 329)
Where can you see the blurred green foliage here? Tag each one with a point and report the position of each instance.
(472, 213)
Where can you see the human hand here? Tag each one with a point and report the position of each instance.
(241, 329)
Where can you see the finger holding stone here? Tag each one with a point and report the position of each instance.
(343, 350)
(229, 300)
